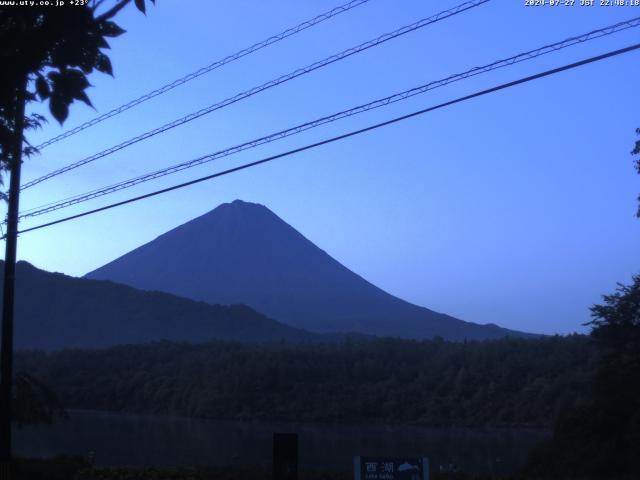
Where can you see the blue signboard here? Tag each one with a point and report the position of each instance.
(387, 468)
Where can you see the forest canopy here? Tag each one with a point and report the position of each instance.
(501, 383)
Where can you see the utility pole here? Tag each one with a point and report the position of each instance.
(6, 353)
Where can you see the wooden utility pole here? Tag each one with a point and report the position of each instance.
(6, 353)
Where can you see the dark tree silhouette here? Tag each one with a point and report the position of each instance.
(600, 436)
(617, 384)
(46, 54)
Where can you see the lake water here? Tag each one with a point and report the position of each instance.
(146, 440)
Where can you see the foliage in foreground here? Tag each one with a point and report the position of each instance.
(59, 468)
(600, 436)
(75, 468)
(242, 473)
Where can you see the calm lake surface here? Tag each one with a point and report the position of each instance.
(146, 440)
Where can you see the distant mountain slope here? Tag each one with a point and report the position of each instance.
(243, 253)
(54, 311)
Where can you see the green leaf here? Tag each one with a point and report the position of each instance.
(82, 96)
(59, 109)
(140, 6)
(103, 64)
(102, 43)
(86, 62)
(111, 29)
(75, 80)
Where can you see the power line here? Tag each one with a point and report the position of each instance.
(213, 66)
(531, 54)
(265, 86)
(342, 137)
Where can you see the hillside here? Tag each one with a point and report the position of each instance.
(54, 311)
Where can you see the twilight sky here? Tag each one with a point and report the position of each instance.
(516, 208)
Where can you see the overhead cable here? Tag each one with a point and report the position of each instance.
(209, 68)
(528, 55)
(340, 137)
(265, 86)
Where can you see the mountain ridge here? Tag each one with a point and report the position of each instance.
(242, 252)
(56, 311)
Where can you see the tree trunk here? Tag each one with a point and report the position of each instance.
(6, 354)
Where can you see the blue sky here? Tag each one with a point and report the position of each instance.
(516, 208)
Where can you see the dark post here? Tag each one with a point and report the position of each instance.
(285, 456)
(6, 353)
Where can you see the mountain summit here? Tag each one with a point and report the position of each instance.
(243, 253)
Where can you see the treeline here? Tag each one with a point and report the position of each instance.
(498, 383)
